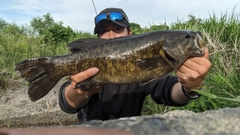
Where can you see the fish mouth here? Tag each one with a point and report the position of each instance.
(198, 53)
(200, 49)
(169, 58)
(175, 62)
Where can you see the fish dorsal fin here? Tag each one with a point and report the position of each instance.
(84, 44)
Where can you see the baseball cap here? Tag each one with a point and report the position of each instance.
(115, 15)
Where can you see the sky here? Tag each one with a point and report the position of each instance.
(79, 14)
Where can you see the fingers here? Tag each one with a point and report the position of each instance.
(199, 65)
(206, 54)
(190, 81)
(193, 71)
(194, 68)
(81, 77)
(84, 75)
(186, 72)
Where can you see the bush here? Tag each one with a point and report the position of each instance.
(57, 34)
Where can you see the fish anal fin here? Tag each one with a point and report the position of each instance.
(41, 87)
(87, 84)
(146, 81)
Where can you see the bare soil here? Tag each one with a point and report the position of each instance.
(17, 110)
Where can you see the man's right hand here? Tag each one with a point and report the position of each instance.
(75, 96)
(83, 76)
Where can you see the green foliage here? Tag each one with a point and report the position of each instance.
(159, 27)
(57, 34)
(52, 32)
(3, 84)
(136, 28)
(80, 35)
(14, 49)
(13, 29)
(2, 23)
(150, 107)
(192, 24)
(41, 24)
(225, 29)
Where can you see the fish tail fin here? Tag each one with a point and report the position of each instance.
(39, 72)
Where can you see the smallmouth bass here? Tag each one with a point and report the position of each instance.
(133, 59)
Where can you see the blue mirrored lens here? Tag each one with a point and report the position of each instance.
(113, 16)
(100, 17)
(116, 16)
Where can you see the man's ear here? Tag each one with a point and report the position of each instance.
(130, 32)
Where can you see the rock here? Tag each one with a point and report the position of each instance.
(216, 122)
(62, 131)
(4, 100)
(223, 121)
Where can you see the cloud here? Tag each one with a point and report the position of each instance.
(79, 14)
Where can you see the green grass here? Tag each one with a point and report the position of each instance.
(223, 40)
(221, 35)
(3, 84)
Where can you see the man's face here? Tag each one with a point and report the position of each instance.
(112, 30)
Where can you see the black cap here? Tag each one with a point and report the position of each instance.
(124, 22)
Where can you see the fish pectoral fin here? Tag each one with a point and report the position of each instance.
(147, 63)
(87, 84)
(146, 81)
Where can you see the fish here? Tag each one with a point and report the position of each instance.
(139, 58)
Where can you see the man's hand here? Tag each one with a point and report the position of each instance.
(83, 76)
(75, 96)
(193, 71)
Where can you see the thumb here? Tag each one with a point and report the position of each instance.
(206, 54)
(94, 70)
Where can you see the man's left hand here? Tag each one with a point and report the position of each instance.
(193, 71)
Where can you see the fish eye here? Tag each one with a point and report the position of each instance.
(187, 36)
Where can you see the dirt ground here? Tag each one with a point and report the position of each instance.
(17, 110)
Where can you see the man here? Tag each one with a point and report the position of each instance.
(111, 101)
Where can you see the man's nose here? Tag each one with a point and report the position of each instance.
(111, 34)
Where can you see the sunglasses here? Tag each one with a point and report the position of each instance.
(113, 16)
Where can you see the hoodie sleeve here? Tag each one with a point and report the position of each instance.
(64, 105)
(161, 90)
